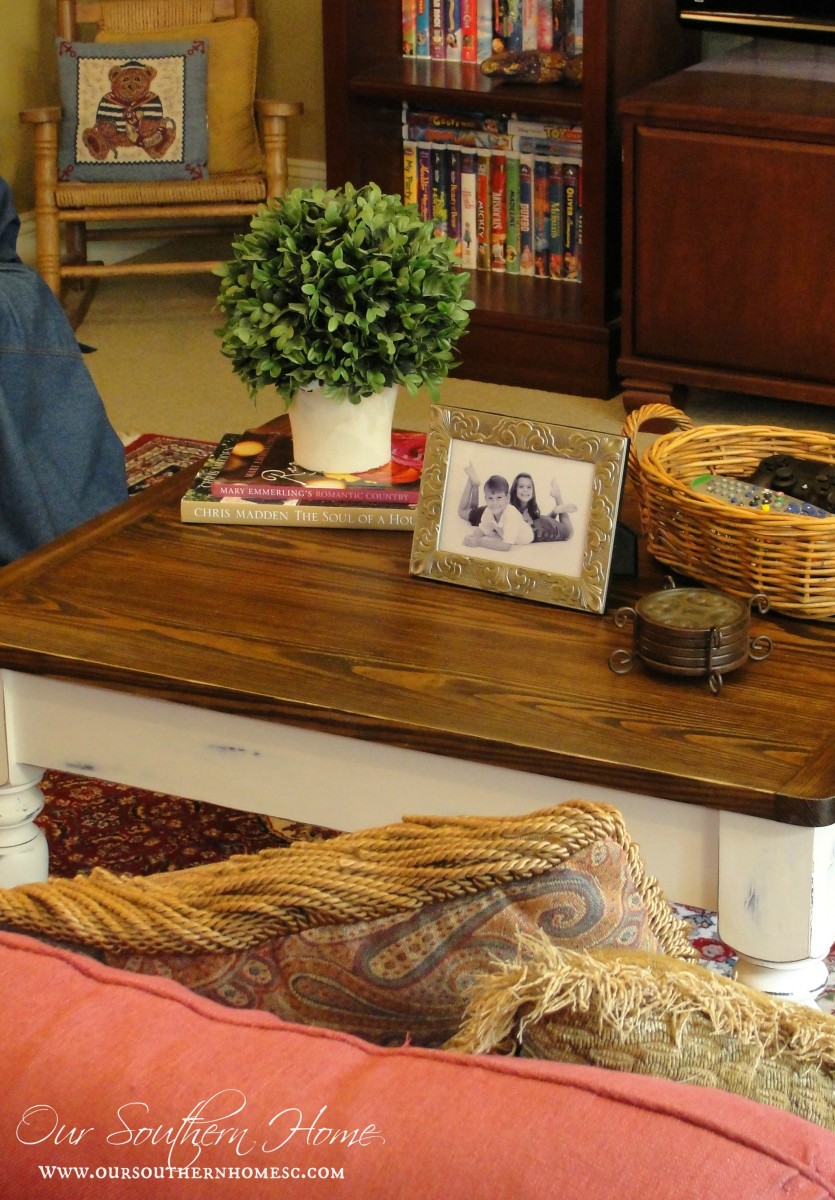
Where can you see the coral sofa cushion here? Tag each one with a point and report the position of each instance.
(230, 87)
(159, 1093)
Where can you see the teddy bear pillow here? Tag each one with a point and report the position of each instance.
(135, 112)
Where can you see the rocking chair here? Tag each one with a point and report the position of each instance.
(247, 159)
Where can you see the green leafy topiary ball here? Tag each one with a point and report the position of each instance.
(349, 288)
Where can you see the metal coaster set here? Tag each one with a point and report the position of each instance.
(691, 632)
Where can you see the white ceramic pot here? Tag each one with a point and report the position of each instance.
(336, 436)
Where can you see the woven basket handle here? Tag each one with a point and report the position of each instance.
(643, 416)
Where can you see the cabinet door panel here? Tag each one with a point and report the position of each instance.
(734, 252)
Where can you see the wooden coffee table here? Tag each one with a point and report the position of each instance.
(306, 674)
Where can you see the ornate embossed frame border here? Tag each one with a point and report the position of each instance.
(588, 467)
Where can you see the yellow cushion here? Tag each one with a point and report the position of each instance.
(233, 57)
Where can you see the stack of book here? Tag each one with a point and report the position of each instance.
(508, 191)
(251, 479)
(472, 30)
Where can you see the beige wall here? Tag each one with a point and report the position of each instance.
(23, 50)
(290, 68)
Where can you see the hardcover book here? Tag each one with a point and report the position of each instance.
(260, 466)
(198, 505)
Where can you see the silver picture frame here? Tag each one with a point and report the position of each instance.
(576, 477)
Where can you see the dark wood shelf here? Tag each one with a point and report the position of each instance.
(734, 292)
(802, 107)
(422, 81)
(522, 300)
(562, 337)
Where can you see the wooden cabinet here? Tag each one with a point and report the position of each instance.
(538, 333)
(729, 236)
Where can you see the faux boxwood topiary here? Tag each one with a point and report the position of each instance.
(347, 288)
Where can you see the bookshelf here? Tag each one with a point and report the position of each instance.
(539, 333)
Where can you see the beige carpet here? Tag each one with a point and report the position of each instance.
(159, 369)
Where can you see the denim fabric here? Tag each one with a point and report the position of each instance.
(61, 461)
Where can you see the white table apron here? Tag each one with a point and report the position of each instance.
(772, 884)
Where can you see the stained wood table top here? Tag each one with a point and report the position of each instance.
(326, 629)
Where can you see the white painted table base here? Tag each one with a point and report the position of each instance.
(772, 884)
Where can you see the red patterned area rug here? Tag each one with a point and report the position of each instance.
(91, 823)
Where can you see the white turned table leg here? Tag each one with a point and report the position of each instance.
(777, 903)
(24, 854)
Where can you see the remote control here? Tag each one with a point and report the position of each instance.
(749, 495)
(804, 478)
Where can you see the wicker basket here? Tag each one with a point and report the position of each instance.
(789, 558)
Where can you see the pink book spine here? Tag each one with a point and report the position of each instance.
(545, 25)
(483, 211)
(469, 31)
(498, 212)
(318, 495)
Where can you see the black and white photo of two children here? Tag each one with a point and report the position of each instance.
(526, 509)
